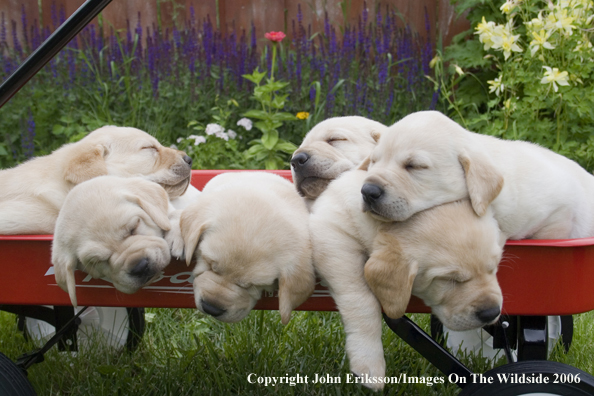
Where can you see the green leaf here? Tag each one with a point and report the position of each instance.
(255, 77)
(285, 147)
(283, 116)
(3, 150)
(58, 129)
(259, 114)
(270, 139)
(271, 163)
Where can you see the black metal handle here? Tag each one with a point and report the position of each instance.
(50, 47)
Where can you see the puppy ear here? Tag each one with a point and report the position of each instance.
(155, 203)
(389, 275)
(192, 228)
(365, 164)
(64, 268)
(87, 164)
(483, 181)
(294, 287)
(375, 135)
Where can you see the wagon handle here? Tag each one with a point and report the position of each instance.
(50, 47)
(30, 358)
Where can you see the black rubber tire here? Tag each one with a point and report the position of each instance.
(550, 370)
(13, 381)
(136, 328)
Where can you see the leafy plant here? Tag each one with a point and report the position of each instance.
(272, 98)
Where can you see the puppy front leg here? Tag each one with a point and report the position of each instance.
(342, 268)
(173, 237)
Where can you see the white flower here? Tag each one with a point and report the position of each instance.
(213, 129)
(197, 139)
(222, 135)
(246, 123)
(503, 39)
(496, 86)
(179, 139)
(540, 39)
(507, 7)
(232, 134)
(554, 76)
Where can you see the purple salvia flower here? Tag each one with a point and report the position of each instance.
(15, 40)
(26, 41)
(434, 99)
(390, 102)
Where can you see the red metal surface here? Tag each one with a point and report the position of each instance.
(538, 277)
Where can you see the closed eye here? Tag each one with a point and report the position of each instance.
(334, 140)
(132, 229)
(150, 148)
(409, 166)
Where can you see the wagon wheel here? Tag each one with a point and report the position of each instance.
(563, 379)
(119, 327)
(473, 341)
(13, 380)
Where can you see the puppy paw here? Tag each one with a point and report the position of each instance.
(369, 374)
(174, 238)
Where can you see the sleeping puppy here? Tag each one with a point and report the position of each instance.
(32, 193)
(112, 228)
(447, 256)
(248, 232)
(333, 146)
(426, 159)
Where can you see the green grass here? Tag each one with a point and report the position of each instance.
(186, 353)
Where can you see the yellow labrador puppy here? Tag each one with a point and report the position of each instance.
(426, 159)
(32, 193)
(112, 228)
(248, 232)
(447, 256)
(333, 146)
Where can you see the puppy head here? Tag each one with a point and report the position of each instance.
(423, 161)
(448, 257)
(331, 148)
(112, 228)
(243, 245)
(123, 151)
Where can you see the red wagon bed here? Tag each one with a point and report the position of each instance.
(538, 277)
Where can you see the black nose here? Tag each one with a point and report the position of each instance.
(299, 160)
(140, 269)
(371, 192)
(211, 309)
(488, 315)
(187, 159)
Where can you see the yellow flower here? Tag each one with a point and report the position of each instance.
(554, 76)
(564, 22)
(507, 7)
(485, 30)
(302, 115)
(540, 40)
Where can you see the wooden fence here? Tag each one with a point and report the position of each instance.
(266, 15)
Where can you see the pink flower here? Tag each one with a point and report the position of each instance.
(275, 36)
